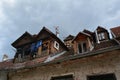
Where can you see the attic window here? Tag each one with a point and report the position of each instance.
(66, 77)
(82, 47)
(101, 36)
(56, 45)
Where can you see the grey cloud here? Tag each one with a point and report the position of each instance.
(71, 17)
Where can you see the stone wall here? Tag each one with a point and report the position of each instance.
(80, 68)
(3, 75)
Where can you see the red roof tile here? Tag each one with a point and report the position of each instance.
(6, 64)
(35, 61)
(105, 44)
(116, 31)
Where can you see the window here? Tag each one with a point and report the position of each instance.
(102, 77)
(67, 77)
(56, 45)
(101, 36)
(82, 47)
(19, 57)
(44, 46)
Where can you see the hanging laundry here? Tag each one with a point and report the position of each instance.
(39, 43)
(32, 47)
(35, 46)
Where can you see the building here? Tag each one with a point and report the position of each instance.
(45, 57)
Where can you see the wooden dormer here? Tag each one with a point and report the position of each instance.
(43, 44)
(54, 44)
(82, 43)
(68, 41)
(101, 34)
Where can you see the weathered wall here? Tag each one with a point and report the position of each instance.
(3, 75)
(80, 68)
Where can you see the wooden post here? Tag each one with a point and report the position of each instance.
(39, 50)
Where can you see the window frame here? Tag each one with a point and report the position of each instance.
(101, 36)
(81, 44)
(56, 43)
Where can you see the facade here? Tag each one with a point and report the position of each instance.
(94, 56)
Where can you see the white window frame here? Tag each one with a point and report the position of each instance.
(81, 44)
(101, 36)
(56, 43)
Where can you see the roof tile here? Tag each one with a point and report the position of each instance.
(116, 31)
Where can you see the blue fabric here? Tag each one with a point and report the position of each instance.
(39, 43)
(35, 46)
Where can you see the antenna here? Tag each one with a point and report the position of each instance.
(57, 31)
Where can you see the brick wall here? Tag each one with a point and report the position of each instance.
(80, 68)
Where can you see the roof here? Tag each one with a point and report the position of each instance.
(87, 31)
(9, 66)
(99, 48)
(88, 35)
(102, 28)
(70, 37)
(6, 64)
(21, 37)
(116, 31)
(105, 44)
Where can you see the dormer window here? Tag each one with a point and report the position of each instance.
(56, 45)
(101, 36)
(82, 47)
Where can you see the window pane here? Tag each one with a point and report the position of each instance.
(103, 36)
(68, 77)
(84, 47)
(79, 48)
(99, 35)
(102, 77)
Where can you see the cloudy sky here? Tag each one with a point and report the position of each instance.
(72, 16)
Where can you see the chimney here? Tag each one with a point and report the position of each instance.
(5, 57)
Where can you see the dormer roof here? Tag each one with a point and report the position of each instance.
(26, 35)
(83, 33)
(87, 31)
(101, 29)
(70, 37)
